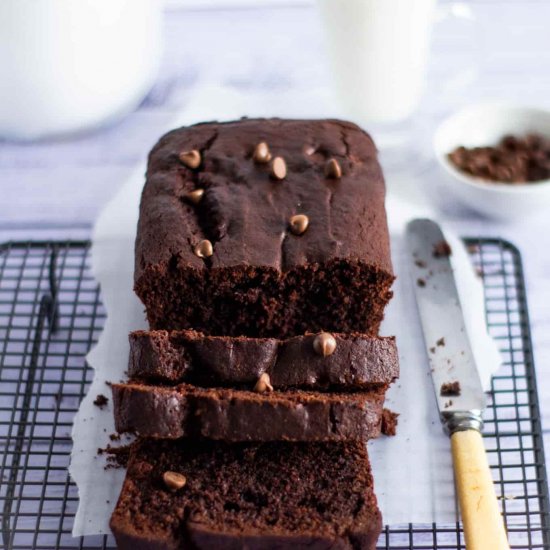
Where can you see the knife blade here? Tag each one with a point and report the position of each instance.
(449, 351)
(453, 367)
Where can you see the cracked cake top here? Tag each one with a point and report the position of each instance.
(272, 193)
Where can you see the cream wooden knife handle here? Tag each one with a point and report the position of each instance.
(483, 525)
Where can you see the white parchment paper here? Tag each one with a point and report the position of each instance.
(413, 471)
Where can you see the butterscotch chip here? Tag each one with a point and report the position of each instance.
(174, 480)
(204, 249)
(324, 344)
(191, 159)
(299, 224)
(263, 384)
(278, 168)
(262, 155)
(195, 196)
(333, 169)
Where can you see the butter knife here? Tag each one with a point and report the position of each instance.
(459, 393)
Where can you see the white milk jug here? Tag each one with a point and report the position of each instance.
(70, 65)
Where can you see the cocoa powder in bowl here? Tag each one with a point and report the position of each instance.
(514, 160)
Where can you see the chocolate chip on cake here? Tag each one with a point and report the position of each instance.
(298, 224)
(204, 249)
(174, 480)
(261, 155)
(191, 159)
(263, 384)
(278, 168)
(324, 344)
(333, 169)
(195, 196)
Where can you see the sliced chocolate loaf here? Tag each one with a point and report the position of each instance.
(240, 415)
(204, 495)
(355, 361)
(266, 228)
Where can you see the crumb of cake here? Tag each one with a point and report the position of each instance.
(450, 388)
(442, 249)
(100, 401)
(114, 437)
(117, 457)
(389, 422)
(420, 263)
(448, 404)
(440, 342)
(432, 350)
(108, 383)
(421, 283)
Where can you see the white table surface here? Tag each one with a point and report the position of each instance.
(56, 189)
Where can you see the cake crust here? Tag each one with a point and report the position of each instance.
(357, 362)
(233, 263)
(240, 415)
(248, 496)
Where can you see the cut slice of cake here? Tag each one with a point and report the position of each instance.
(315, 361)
(267, 228)
(205, 495)
(244, 415)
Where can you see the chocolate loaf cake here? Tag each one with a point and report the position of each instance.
(266, 228)
(240, 415)
(180, 494)
(355, 362)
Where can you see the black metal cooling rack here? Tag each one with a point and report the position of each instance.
(50, 315)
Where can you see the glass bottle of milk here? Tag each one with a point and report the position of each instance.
(378, 51)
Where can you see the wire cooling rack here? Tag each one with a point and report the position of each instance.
(50, 315)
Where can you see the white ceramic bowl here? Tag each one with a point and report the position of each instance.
(485, 124)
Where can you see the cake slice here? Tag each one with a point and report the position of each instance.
(243, 415)
(347, 361)
(204, 495)
(266, 228)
